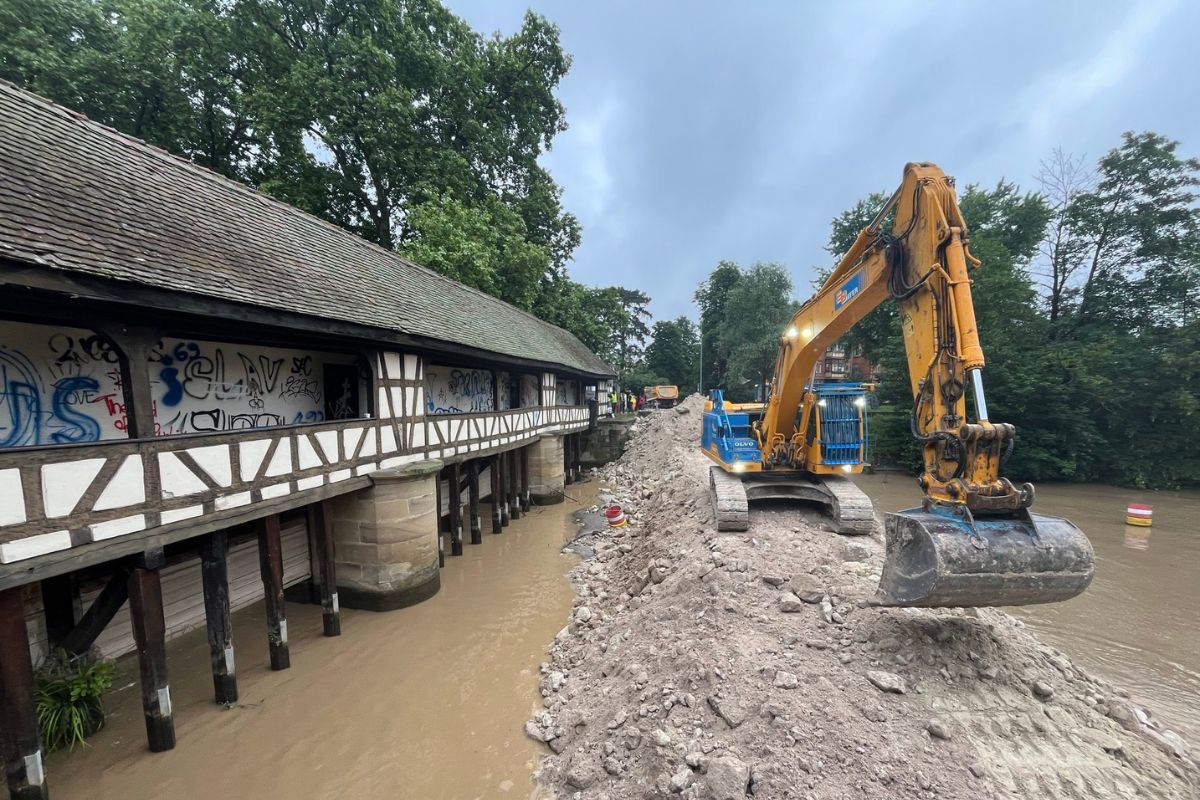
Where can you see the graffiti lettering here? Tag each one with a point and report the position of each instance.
(457, 391)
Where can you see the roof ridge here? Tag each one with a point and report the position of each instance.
(144, 147)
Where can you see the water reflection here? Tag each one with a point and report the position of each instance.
(1137, 538)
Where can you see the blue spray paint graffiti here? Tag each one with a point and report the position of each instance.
(457, 391)
(49, 406)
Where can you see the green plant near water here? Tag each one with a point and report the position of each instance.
(70, 697)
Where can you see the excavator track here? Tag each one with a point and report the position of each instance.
(729, 500)
(849, 510)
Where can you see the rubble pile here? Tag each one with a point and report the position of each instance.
(716, 665)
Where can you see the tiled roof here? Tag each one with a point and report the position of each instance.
(77, 196)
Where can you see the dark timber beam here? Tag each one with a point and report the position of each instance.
(568, 478)
(454, 495)
(514, 484)
(61, 606)
(270, 560)
(525, 499)
(134, 347)
(502, 499)
(150, 635)
(214, 575)
(331, 612)
(473, 502)
(494, 474)
(99, 613)
(441, 523)
(18, 714)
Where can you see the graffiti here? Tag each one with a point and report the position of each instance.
(63, 386)
(52, 405)
(343, 407)
(457, 391)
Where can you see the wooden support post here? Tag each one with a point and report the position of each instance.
(577, 457)
(61, 606)
(568, 478)
(18, 715)
(270, 562)
(473, 502)
(454, 490)
(523, 457)
(514, 485)
(497, 523)
(437, 484)
(331, 611)
(214, 575)
(502, 468)
(150, 636)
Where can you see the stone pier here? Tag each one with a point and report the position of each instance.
(386, 539)
(546, 475)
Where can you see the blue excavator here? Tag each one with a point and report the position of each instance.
(974, 540)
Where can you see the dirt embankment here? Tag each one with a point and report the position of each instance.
(709, 665)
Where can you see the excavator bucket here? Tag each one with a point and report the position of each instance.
(936, 557)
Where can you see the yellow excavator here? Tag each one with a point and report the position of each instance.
(973, 541)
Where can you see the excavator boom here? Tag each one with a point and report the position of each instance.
(973, 541)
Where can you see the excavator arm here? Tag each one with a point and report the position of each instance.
(922, 265)
(973, 541)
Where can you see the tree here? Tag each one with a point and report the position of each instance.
(756, 310)
(1063, 178)
(628, 336)
(674, 352)
(711, 296)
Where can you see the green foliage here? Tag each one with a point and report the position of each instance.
(391, 118)
(711, 296)
(70, 697)
(756, 309)
(674, 353)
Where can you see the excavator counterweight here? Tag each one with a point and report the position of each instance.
(974, 541)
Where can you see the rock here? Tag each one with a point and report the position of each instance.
(1042, 690)
(583, 614)
(633, 738)
(937, 729)
(533, 731)
(887, 682)
(728, 778)
(732, 713)
(827, 610)
(556, 680)
(875, 714)
(789, 603)
(682, 410)
(657, 574)
(580, 778)
(855, 551)
(807, 588)
(612, 766)
(681, 780)
(660, 738)
(786, 680)
(773, 580)
(692, 759)
(977, 769)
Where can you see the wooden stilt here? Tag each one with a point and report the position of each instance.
(577, 457)
(440, 527)
(473, 502)
(18, 715)
(454, 492)
(331, 611)
(270, 561)
(514, 485)
(61, 606)
(568, 478)
(494, 470)
(524, 460)
(502, 468)
(214, 575)
(150, 635)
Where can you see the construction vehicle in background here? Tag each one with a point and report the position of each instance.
(661, 396)
(973, 541)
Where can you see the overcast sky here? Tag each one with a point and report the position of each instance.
(702, 131)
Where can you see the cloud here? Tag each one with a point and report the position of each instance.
(710, 130)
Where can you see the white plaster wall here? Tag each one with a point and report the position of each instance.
(567, 392)
(457, 390)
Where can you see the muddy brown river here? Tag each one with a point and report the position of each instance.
(1139, 622)
(424, 702)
